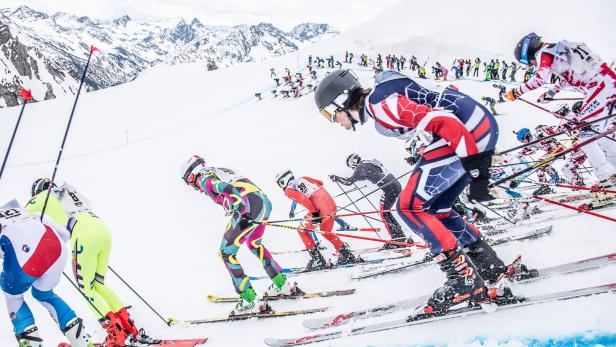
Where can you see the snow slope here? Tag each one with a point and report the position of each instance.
(124, 154)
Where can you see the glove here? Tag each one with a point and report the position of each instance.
(291, 214)
(316, 218)
(334, 178)
(512, 94)
(411, 160)
(478, 167)
(513, 184)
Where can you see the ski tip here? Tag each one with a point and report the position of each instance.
(211, 297)
(285, 270)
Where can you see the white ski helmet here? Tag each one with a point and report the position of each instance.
(283, 178)
(353, 160)
(191, 168)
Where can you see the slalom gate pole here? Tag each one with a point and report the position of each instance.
(577, 127)
(357, 208)
(139, 296)
(404, 244)
(27, 96)
(68, 126)
(554, 157)
(576, 208)
(561, 117)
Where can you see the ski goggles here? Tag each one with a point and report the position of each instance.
(524, 51)
(189, 174)
(329, 111)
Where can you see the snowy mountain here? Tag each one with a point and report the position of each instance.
(46, 53)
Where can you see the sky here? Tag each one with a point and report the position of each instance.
(341, 14)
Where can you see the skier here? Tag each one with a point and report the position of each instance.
(476, 67)
(501, 91)
(462, 136)
(374, 171)
(546, 174)
(311, 194)
(90, 242)
(514, 69)
(490, 103)
(34, 255)
(248, 208)
(505, 68)
(577, 66)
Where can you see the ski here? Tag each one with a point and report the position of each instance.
(272, 314)
(163, 343)
(452, 313)
(536, 275)
(394, 268)
(301, 295)
(300, 270)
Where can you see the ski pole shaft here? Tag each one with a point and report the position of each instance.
(377, 189)
(576, 208)
(580, 126)
(27, 96)
(68, 126)
(496, 212)
(405, 244)
(139, 296)
(560, 117)
(82, 294)
(356, 207)
(554, 157)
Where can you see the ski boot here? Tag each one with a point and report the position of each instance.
(281, 287)
(29, 338)
(116, 337)
(543, 190)
(247, 305)
(317, 262)
(137, 337)
(346, 257)
(464, 284)
(77, 334)
(489, 265)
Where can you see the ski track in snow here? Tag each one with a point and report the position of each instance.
(166, 236)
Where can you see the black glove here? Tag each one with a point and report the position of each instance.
(513, 184)
(316, 218)
(411, 160)
(478, 167)
(334, 178)
(291, 214)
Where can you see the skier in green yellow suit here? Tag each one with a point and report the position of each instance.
(90, 244)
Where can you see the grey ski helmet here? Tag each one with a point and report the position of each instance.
(527, 47)
(340, 89)
(41, 185)
(353, 160)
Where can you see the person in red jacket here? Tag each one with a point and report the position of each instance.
(309, 192)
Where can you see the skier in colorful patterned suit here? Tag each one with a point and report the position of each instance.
(34, 254)
(90, 241)
(248, 208)
(462, 135)
(576, 66)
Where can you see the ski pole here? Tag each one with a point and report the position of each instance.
(139, 296)
(68, 126)
(496, 213)
(576, 208)
(357, 208)
(362, 193)
(577, 127)
(554, 157)
(405, 244)
(26, 95)
(559, 116)
(377, 189)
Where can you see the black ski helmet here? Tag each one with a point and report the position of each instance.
(341, 87)
(353, 160)
(527, 47)
(40, 185)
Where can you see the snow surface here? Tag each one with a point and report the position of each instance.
(124, 153)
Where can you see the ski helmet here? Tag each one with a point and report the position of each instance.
(523, 134)
(353, 160)
(527, 47)
(191, 168)
(41, 185)
(283, 178)
(339, 90)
